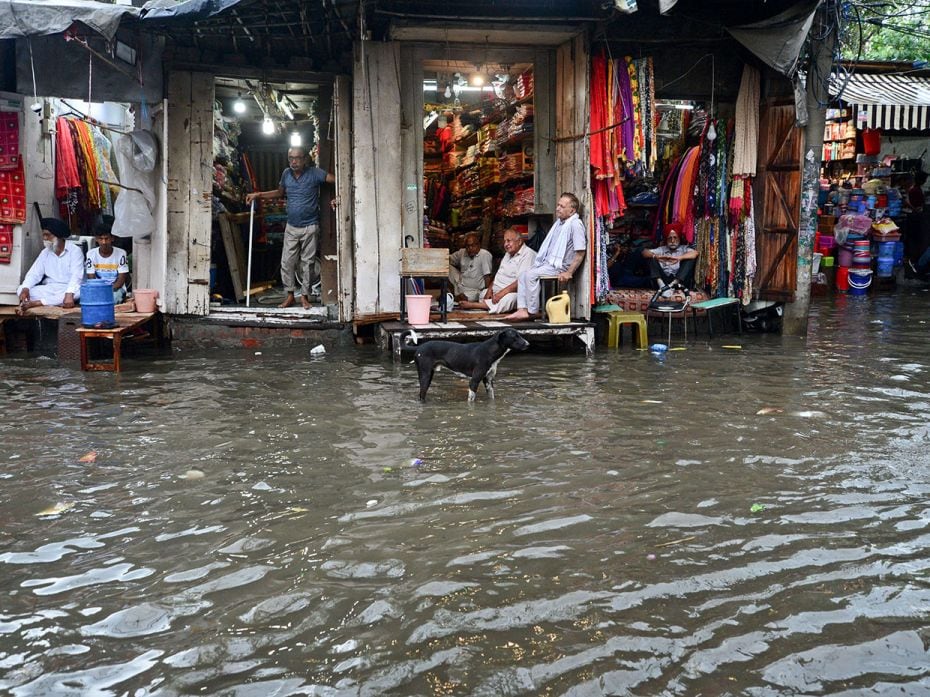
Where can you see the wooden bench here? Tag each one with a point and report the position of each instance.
(127, 323)
(709, 306)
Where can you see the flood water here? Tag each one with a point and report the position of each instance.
(278, 524)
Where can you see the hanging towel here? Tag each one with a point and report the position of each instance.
(747, 123)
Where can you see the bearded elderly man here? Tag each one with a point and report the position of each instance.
(561, 253)
(501, 297)
(55, 276)
(672, 264)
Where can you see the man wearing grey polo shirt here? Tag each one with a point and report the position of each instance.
(561, 253)
(300, 183)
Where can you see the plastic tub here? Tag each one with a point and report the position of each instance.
(859, 281)
(884, 267)
(827, 262)
(97, 304)
(145, 299)
(418, 309)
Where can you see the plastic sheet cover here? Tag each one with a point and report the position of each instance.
(778, 40)
(20, 18)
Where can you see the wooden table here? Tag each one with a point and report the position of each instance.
(126, 323)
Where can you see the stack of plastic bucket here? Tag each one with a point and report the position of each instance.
(861, 254)
(898, 253)
(885, 263)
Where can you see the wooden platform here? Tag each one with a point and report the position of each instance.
(390, 333)
(126, 324)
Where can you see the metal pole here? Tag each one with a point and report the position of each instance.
(248, 273)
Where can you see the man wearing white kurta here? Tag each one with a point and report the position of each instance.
(561, 253)
(55, 276)
(501, 297)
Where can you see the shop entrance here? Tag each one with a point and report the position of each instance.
(478, 152)
(255, 123)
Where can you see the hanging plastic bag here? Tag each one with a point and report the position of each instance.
(134, 212)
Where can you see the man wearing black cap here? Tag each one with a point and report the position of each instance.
(55, 276)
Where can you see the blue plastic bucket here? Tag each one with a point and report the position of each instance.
(898, 253)
(97, 304)
(886, 250)
(885, 267)
(859, 281)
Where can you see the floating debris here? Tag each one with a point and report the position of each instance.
(193, 474)
(57, 509)
(769, 410)
(89, 457)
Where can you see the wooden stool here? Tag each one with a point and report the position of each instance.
(125, 324)
(418, 262)
(548, 287)
(617, 318)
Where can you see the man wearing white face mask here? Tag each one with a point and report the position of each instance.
(55, 276)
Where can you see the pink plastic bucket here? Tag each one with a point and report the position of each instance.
(418, 309)
(145, 299)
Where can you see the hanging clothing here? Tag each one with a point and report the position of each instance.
(747, 123)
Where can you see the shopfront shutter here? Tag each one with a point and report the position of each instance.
(778, 202)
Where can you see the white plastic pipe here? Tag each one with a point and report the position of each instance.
(248, 273)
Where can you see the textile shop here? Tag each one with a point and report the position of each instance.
(659, 163)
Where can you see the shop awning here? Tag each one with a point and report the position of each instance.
(21, 18)
(890, 102)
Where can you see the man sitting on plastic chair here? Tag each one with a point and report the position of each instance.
(672, 264)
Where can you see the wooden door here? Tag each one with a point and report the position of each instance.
(778, 203)
(190, 189)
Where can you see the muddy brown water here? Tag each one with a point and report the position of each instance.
(278, 524)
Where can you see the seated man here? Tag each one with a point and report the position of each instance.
(561, 253)
(470, 269)
(106, 261)
(55, 276)
(672, 265)
(501, 296)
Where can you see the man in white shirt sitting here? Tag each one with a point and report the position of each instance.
(55, 276)
(470, 269)
(561, 253)
(501, 296)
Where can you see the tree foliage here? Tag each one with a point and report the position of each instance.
(892, 30)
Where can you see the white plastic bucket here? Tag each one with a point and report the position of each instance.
(418, 309)
(815, 266)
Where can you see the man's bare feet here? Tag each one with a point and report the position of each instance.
(288, 301)
(305, 302)
(28, 305)
(521, 315)
(469, 305)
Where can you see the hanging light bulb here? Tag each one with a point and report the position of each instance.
(239, 105)
(477, 80)
(296, 140)
(267, 126)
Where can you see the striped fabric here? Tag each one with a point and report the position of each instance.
(889, 102)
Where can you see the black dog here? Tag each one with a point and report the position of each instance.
(478, 362)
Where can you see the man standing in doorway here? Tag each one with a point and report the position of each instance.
(300, 184)
(561, 253)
